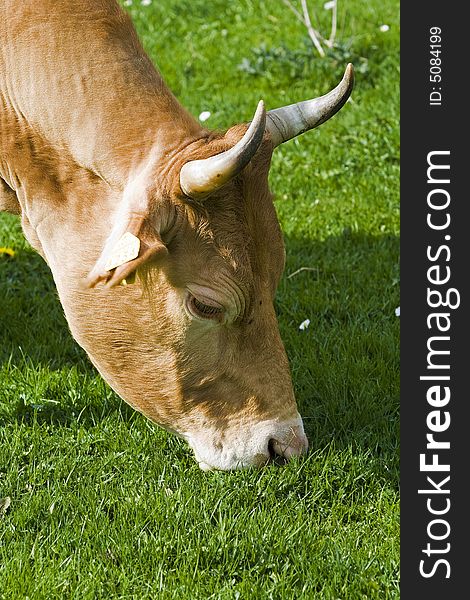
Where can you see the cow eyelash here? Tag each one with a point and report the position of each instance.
(203, 311)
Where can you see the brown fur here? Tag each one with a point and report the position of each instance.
(82, 108)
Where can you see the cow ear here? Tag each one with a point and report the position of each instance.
(133, 242)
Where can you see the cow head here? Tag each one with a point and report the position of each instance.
(194, 344)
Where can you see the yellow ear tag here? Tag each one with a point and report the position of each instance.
(125, 250)
(129, 279)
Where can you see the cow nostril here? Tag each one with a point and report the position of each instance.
(275, 455)
(272, 452)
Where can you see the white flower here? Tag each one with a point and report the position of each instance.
(304, 324)
(384, 28)
(397, 311)
(204, 115)
(146, 2)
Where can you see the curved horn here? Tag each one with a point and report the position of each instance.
(289, 121)
(199, 178)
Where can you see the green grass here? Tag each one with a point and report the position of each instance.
(106, 505)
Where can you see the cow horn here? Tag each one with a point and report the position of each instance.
(199, 178)
(289, 121)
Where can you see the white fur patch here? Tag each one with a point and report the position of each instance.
(247, 445)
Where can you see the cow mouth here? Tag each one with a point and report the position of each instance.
(270, 458)
(282, 442)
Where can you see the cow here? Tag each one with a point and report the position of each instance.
(161, 235)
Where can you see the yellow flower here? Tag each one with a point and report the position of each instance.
(7, 252)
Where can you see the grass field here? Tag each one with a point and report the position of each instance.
(97, 501)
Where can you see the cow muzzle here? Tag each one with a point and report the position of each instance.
(243, 446)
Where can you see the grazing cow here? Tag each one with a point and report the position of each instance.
(112, 177)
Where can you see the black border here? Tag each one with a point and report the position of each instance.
(426, 128)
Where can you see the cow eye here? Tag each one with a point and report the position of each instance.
(202, 310)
